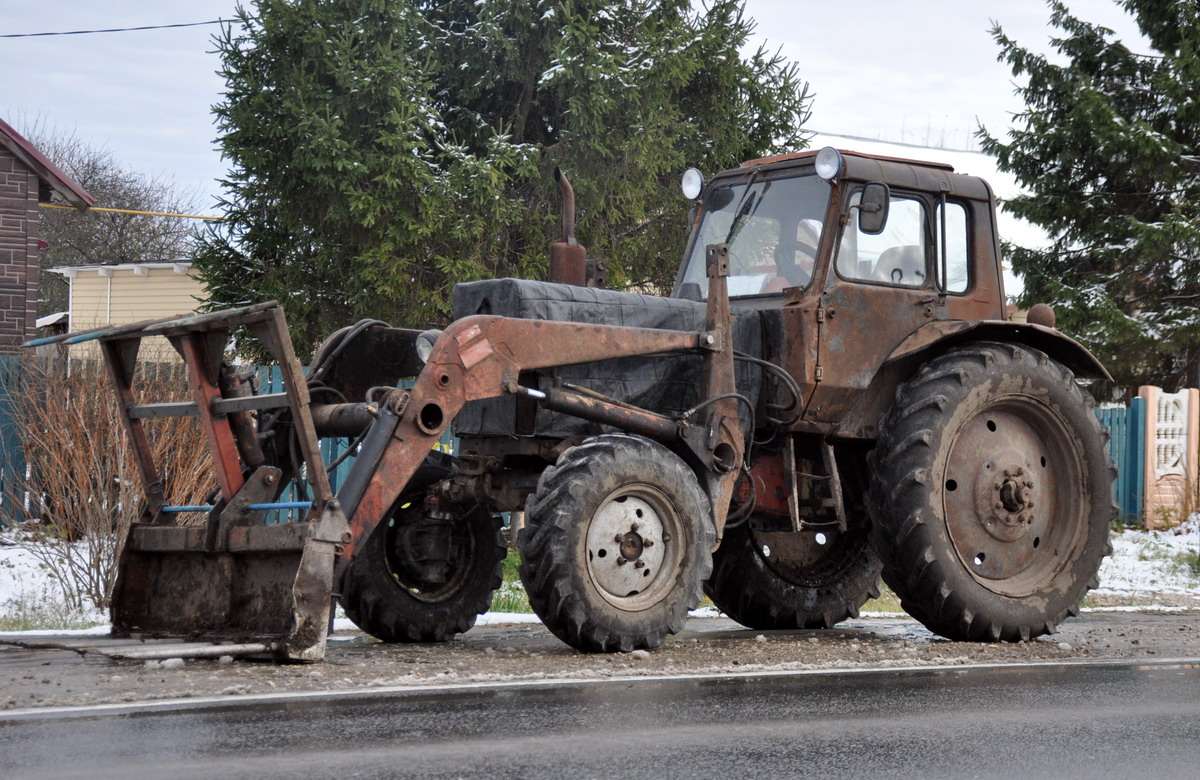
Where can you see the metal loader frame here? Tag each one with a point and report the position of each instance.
(268, 586)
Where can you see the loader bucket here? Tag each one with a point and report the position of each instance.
(233, 577)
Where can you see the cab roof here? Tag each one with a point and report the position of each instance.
(778, 158)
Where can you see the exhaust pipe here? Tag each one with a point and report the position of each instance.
(568, 258)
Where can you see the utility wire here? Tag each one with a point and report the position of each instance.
(114, 29)
(133, 211)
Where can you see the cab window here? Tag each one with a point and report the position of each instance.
(773, 229)
(956, 280)
(897, 256)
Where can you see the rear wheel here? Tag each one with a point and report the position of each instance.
(616, 544)
(992, 494)
(784, 580)
(395, 597)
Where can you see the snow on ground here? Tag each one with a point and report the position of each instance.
(1147, 562)
(1143, 564)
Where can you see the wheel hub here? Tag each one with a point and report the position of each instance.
(631, 544)
(1005, 496)
(626, 545)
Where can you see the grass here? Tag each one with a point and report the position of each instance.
(44, 610)
(1189, 562)
(887, 602)
(511, 595)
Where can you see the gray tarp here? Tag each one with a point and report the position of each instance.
(660, 384)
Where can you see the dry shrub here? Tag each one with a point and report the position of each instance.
(82, 487)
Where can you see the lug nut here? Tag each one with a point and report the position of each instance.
(648, 543)
(633, 528)
(621, 560)
(638, 563)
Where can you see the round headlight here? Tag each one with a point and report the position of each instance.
(425, 343)
(692, 183)
(829, 163)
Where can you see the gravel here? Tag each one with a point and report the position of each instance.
(52, 676)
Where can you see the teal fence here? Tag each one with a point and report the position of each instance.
(12, 455)
(270, 380)
(1127, 448)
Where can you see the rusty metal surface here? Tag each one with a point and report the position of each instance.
(121, 377)
(479, 357)
(241, 422)
(718, 390)
(221, 443)
(767, 482)
(649, 424)
(568, 258)
(235, 577)
(1006, 511)
(343, 419)
(1061, 347)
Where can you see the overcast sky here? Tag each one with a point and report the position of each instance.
(922, 72)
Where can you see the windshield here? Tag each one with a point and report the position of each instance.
(772, 226)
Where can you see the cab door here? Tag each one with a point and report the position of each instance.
(880, 290)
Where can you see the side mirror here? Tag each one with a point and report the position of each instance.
(873, 210)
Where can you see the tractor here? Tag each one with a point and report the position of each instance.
(830, 395)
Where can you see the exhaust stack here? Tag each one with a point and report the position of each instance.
(568, 258)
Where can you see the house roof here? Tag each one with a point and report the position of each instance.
(52, 319)
(139, 269)
(60, 184)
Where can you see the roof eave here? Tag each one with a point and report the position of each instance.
(47, 171)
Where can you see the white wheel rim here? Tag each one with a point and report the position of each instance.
(629, 547)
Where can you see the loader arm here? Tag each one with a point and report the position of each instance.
(481, 357)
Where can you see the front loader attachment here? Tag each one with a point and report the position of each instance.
(233, 577)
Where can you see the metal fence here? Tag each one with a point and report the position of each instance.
(1127, 447)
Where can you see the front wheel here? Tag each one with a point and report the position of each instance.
(992, 494)
(616, 544)
(392, 597)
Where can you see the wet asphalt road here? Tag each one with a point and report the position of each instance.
(1114, 720)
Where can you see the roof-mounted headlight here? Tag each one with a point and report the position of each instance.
(692, 183)
(829, 163)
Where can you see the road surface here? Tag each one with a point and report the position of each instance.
(1112, 719)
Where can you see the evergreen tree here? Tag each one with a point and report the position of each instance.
(383, 150)
(1106, 149)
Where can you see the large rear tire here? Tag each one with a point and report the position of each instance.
(992, 494)
(616, 544)
(769, 580)
(385, 595)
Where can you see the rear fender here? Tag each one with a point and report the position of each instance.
(935, 338)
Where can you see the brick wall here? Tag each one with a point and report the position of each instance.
(18, 252)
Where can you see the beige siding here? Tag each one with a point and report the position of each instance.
(126, 297)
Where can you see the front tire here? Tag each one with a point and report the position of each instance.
(616, 544)
(992, 494)
(385, 595)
